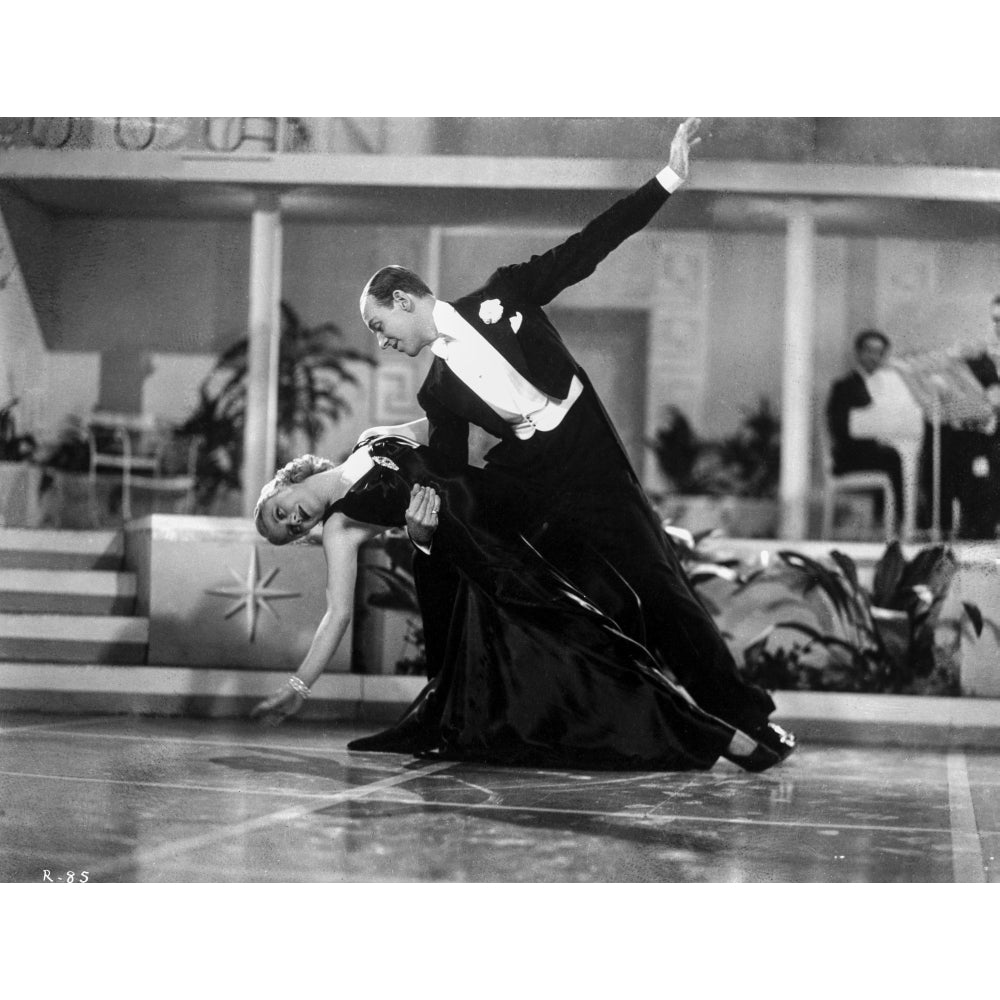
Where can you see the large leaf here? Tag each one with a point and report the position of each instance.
(888, 572)
(975, 616)
(817, 575)
(847, 567)
(932, 567)
(821, 638)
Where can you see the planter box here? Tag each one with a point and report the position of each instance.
(887, 720)
(977, 580)
(737, 517)
(20, 504)
(217, 595)
(380, 634)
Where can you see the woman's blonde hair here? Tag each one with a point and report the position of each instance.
(296, 471)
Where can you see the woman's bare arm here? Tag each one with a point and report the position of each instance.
(342, 539)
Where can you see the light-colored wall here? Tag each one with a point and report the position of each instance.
(23, 357)
(934, 293)
(177, 290)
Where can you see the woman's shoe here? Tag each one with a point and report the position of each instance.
(760, 760)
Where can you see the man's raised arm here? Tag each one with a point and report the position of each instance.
(543, 277)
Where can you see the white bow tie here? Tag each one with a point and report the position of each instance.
(440, 347)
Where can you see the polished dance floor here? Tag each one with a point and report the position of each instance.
(133, 799)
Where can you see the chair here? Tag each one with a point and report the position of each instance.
(136, 446)
(871, 482)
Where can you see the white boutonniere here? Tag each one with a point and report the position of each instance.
(491, 310)
(515, 322)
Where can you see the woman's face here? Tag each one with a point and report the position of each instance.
(289, 514)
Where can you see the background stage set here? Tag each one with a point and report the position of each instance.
(179, 315)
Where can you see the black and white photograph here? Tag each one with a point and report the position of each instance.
(401, 500)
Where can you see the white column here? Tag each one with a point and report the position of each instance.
(797, 374)
(264, 324)
(432, 272)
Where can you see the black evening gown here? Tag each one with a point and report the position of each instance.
(533, 672)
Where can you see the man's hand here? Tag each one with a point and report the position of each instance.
(685, 138)
(422, 514)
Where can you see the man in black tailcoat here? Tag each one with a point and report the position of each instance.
(970, 455)
(501, 365)
(857, 454)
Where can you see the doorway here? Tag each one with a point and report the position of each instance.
(611, 346)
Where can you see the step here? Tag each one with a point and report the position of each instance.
(32, 548)
(195, 691)
(64, 591)
(74, 638)
(817, 717)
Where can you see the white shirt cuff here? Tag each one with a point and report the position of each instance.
(426, 549)
(669, 179)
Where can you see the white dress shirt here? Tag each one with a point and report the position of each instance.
(492, 377)
(893, 413)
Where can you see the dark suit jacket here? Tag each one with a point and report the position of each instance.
(517, 293)
(846, 394)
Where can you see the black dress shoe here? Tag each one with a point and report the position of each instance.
(779, 741)
(760, 760)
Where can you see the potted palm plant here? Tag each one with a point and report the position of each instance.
(731, 483)
(313, 367)
(889, 638)
(20, 479)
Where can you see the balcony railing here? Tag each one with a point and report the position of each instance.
(224, 136)
(212, 135)
(882, 142)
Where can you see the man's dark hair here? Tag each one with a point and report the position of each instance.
(386, 280)
(864, 335)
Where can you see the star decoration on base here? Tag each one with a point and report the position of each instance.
(253, 592)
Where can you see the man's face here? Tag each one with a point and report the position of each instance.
(995, 316)
(404, 326)
(871, 354)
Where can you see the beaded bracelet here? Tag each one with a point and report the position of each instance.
(298, 687)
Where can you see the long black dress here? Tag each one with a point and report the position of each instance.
(533, 672)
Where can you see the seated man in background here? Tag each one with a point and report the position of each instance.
(868, 408)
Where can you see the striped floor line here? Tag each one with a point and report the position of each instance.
(146, 857)
(338, 747)
(364, 791)
(664, 817)
(57, 727)
(792, 771)
(966, 847)
(177, 786)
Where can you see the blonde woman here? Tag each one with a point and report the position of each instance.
(528, 668)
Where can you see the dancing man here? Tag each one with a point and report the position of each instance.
(501, 365)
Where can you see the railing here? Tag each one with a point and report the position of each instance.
(219, 136)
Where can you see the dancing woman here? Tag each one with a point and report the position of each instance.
(533, 671)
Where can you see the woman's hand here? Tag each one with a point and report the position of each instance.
(374, 432)
(283, 703)
(422, 514)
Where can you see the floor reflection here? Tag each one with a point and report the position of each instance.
(189, 800)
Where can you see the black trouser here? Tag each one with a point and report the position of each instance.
(590, 493)
(970, 474)
(867, 455)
